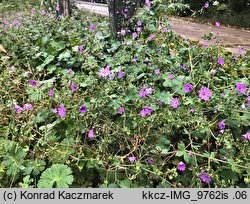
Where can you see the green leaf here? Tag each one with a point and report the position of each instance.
(14, 161)
(51, 69)
(64, 56)
(181, 148)
(26, 182)
(34, 167)
(179, 153)
(187, 158)
(228, 174)
(125, 183)
(233, 167)
(48, 60)
(162, 146)
(164, 96)
(58, 175)
(113, 185)
(55, 47)
(42, 115)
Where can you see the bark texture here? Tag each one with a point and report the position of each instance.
(120, 11)
(64, 6)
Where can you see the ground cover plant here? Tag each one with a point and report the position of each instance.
(81, 109)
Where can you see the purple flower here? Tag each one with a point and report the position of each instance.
(139, 29)
(246, 136)
(191, 110)
(54, 110)
(205, 177)
(139, 23)
(175, 102)
(92, 27)
(188, 88)
(160, 103)
(70, 71)
(91, 133)
(221, 125)
(121, 110)
(83, 109)
(134, 60)
(142, 93)
(221, 131)
(132, 158)
(104, 72)
(240, 51)
(172, 54)
(134, 35)
(205, 93)
(27, 106)
(148, 110)
(183, 66)
(80, 48)
(171, 76)
(43, 12)
(241, 88)
(167, 28)
(213, 72)
(18, 109)
(73, 87)
(51, 92)
(150, 161)
(148, 4)
(57, 8)
(123, 32)
(248, 100)
(220, 61)
(206, 5)
(149, 91)
(33, 83)
(205, 44)
(120, 74)
(41, 83)
(157, 71)
(120, 167)
(111, 77)
(143, 113)
(181, 166)
(33, 11)
(61, 111)
(217, 24)
(151, 36)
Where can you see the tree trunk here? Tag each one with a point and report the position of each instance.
(120, 11)
(64, 6)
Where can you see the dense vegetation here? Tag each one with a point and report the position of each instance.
(228, 12)
(81, 109)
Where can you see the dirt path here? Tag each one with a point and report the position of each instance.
(231, 38)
